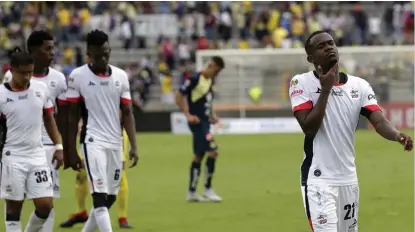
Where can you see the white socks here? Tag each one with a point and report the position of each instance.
(48, 226)
(35, 223)
(12, 226)
(100, 218)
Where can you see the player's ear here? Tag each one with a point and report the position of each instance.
(310, 59)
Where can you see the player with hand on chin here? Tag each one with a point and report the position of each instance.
(25, 171)
(327, 104)
(195, 99)
(104, 88)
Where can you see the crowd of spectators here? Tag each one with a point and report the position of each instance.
(201, 25)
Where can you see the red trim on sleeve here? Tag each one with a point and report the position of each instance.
(72, 99)
(49, 110)
(373, 108)
(304, 106)
(62, 102)
(125, 101)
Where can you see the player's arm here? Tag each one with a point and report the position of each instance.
(52, 130)
(181, 94)
(308, 116)
(128, 121)
(61, 117)
(73, 117)
(371, 110)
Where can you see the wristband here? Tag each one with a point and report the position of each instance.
(58, 147)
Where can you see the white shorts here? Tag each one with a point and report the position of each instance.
(20, 178)
(332, 208)
(103, 167)
(50, 151)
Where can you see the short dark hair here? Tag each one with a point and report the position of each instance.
(307, 44)
(20, 57)
(36, 39)
(96, 38)
(218, 61)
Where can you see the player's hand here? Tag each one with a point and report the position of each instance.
(405, 140)
(327, 80)
(74, 162)
(192, 119)
(214, 119)
(133, 157)
(58, 159)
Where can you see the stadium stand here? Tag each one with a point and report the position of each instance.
(156, 42)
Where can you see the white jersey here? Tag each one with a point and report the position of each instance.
(23, 115)
(330, 155)
(102, 96)
(56, 83)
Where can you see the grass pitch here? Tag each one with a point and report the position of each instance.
(258, 176)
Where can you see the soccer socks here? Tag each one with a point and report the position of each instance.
(210, 169)
(91, 224)
(102, 218)
(81, 191)
(48, 226)
(13, 223)
(35, 223)
(122, 197)
(194, 176)
(13, 226)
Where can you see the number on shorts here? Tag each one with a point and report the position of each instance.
(41, 176)
(350, 209)
(117, 174)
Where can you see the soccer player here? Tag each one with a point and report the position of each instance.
(41, 46)
(327, 104)
(104, 89)
(81, 192)
(199, 112)
(25, 104)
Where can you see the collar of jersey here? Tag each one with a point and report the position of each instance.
(343, 78)
(8, 87)
(100, 74)
(41, 76)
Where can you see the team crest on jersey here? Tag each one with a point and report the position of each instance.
(117, 84)
(53, 84)
(293, 82)
(37, 94)
(354, 93)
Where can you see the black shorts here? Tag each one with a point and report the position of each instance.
(203, 140)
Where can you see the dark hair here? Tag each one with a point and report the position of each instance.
(307, 44)
(36, 39)
(218, 61)
(20, 57)
(96, 38)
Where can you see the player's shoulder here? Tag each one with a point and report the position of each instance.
(56, 75)
(358, 81)
(303, 79)
(38, 84)
(79, 71)
(118, 72)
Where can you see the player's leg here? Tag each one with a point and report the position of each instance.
(50, 150)
(39, 188)
(81, 193)
(115, 166)
(122, 200)
(96, 162)
(348, 208)
(320, 206)
(199, 152)
(211, 149)
(12, 187)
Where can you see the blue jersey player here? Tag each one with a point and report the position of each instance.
(195, 100)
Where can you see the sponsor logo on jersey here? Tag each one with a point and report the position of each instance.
(296, 92)
(354, 93)
(104, 83)
(334, 92)
(371, 96)
(117, 84)
(322, 219)
(293, 83)
(37, 94)
(317, 172)
(23, 97)
(52, 84)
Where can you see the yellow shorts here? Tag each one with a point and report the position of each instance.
(125, 147)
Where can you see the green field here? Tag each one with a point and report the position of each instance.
(258, 177)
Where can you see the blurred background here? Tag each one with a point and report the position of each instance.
(160, 44)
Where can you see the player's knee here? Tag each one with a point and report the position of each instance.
(12, 217)
(43, 209)
(213, 154)
(99, 200)
(14, 207)
(198, 158)
(111, 200)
